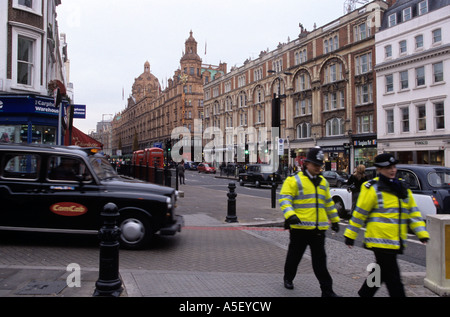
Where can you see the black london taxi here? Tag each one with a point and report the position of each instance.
(61, 189)
(259, 174)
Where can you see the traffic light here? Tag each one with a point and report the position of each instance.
(293, 154)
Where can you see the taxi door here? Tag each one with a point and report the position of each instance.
(69, 195)
(19, 186)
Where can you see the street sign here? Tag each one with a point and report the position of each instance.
(281, 146)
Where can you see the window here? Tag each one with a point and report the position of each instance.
(389, 83)
(303, 82)
(303, 131)
(437, 36)
(241, 81)
(364, 94)
(390, 121)
(404, 80)
(438, 72)
(419, 41)
(34, 6)
(66, 169)
(365, 123)
(361, 32)
(333, 72)
(392, 20)
(26, 3)
(21, 166)
(277, 65)
(405, 119)
(25, 61)
(258, 74)
(335, 127)
(388, 51)
(420, 76)
(423, 7)
(259, 116)
(332, 101)
(242, 100)
(363, 64)
(421, 118)
(439, 119)
(407, 14)
(403, 47)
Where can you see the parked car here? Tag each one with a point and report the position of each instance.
(206, 168)
(64, 189)
(425, 179)
(336, 178)
(429, 184)
(259, 174)
(190, 165)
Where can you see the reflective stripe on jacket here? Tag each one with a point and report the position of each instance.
(312, 205)
(386, 217)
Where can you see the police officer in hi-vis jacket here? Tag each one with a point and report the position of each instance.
(387, 207)
(307, 205)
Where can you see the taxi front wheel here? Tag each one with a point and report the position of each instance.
(135, 232)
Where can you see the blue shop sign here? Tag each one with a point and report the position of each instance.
(79, 111)
(28, 105)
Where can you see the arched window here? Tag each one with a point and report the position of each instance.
(303, 130)
(335, 127)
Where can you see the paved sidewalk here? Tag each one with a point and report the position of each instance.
(211, 258)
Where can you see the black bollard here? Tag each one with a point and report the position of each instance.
(109, 283)
(231, 213)
(274, 193)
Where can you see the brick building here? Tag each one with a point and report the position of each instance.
(152, 113)
(327, 84)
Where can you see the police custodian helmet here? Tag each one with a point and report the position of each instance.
(385, 160)
(315, 156)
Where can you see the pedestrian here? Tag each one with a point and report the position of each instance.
(307, 205)
(387, 207)
(181, 169)
(355, 182)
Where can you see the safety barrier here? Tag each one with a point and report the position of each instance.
(438, 255)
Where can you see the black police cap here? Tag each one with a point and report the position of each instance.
(385, 160)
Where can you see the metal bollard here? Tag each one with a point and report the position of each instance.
(231, 213)
(109, 283)
(274, 193)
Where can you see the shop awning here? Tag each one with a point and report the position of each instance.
(80, 139)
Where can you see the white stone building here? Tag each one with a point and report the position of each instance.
(413, 82)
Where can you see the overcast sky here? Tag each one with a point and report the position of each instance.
(110, 40)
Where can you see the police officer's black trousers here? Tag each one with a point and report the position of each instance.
(390, 274)
(299, 240)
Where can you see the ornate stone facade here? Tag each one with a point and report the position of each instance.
(152, 113)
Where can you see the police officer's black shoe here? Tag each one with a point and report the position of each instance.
(288, 284)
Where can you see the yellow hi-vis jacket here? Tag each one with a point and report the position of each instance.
(312, 205)
(386, 216)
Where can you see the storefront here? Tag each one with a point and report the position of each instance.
(432, 151)
(364, 151)
(28, 119)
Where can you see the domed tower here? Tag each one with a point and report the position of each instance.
(191, 62)
(146, 85)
